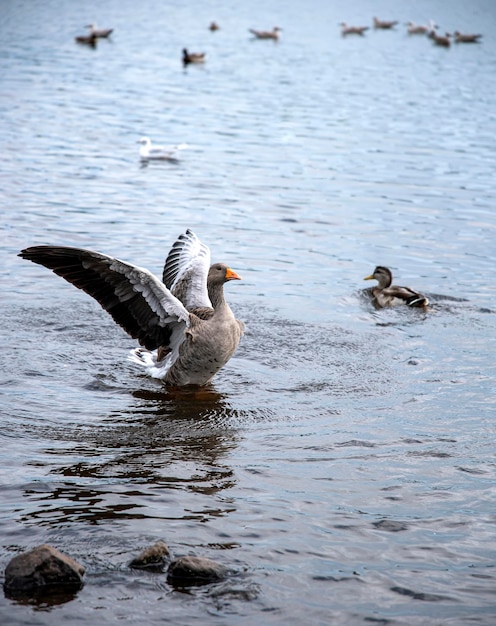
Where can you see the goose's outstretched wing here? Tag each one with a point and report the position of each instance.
(186, 270)
(135, 298)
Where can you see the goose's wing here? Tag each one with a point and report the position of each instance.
(186, 270)
(135, 298)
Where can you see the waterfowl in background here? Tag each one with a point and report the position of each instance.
(442, 40)
(186, 328)
(87, 40)
(352, 30)
(193, 57)
(384, 24)
(149, 152)
(466, 38)
(100, 33)
(213, 26)
(387, 295)
(266, 34)
(432, 32)
(417, 29)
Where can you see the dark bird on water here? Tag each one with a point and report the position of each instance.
(387, 295)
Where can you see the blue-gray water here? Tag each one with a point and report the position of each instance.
(343, 463)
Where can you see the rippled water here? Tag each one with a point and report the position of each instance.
(343, 462)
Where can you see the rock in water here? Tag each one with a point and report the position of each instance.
(43, 566)
(152, 557)
(194, 570)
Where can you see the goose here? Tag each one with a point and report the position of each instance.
(149, 152)
(185, 327)
(384, 24)
(266, 34)
(100, 33)
(352, 30)
(466, 38)
(387, 295)
(193, 57)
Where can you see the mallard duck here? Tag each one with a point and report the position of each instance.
(266, 34)
(213, 26)
(352, 30)
(384, 24)
(149, 152)
(386, 295)
(466, 38)
(186, 328)
(193, 57)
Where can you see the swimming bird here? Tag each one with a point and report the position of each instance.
(100, 33)
(384, 24)
(352, 30)
(466, 38)
(193, 57)
(442, 40)
(149, 152)
(213, 26)
(187, 329)
(88, 40)
(387, 295)
(266, 34)
(417, 29)
(432, 32)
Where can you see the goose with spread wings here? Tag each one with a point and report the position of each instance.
(185, 327)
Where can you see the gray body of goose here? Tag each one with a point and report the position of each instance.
(387, 295)
(466, 37)
(384, 24)
(266, 34)
(187, 329)
(352, 30)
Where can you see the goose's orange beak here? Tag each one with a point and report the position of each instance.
(231, 275)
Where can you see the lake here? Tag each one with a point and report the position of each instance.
(342, 464)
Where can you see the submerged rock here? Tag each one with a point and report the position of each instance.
(194, 570)
(153, 557)
(42, 567)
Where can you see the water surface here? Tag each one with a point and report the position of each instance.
(342, 463)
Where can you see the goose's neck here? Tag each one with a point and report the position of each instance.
(216, 295)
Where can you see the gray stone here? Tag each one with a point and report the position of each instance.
(43, 566)
(194, 570)
(153, 557)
